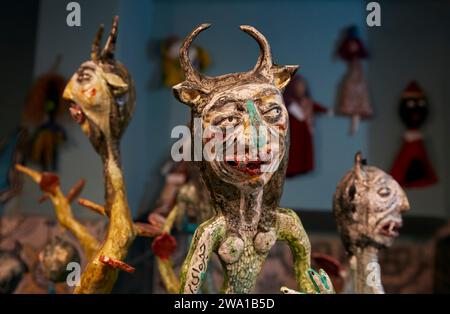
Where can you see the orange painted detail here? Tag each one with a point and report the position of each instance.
(116, 264)
(164, 245)
(49, 182)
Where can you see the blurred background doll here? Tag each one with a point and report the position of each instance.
(412, 167)
(171, 70)
(43, 106)
(301, 110)
(353, 96)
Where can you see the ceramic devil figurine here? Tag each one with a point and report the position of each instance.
(412, 168)
(102, 98)
(245, 188)
(368, 205)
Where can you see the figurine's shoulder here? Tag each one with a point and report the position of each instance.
(288, 220)
(281, 211)
(212, 229)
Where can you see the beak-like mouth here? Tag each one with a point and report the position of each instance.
(391, 228)
(77, 113)
(245, 165)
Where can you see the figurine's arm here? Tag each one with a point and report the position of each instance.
(163, 259)
(49, 184)
(290, 229)
(206, 238)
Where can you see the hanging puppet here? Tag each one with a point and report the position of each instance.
(172, 72)
(301, 110)
(43, 106)
(353, 97)
(412, 168)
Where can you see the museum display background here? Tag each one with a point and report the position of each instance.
(413, 43)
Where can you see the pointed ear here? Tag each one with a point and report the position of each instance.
(189, 93)
(282, 75)
(116, 82)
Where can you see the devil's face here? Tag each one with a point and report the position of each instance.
(254, 123)
(369, 208)
(101, 94)
(101, 102)
(379, 215)
(90, 97)
(245, 115)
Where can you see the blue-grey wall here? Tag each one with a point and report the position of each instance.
(17, 55)
(144, 145)
(300, 32)
(413, 43)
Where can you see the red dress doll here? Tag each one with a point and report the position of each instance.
(412, 167)
(301, 110)
(353, 98)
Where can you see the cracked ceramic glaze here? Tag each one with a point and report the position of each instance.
(245, 192)
(368, 205)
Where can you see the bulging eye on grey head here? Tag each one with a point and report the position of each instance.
(197, 88)
(364, 182)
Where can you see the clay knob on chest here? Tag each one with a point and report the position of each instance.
(231, 249)
(264, 241)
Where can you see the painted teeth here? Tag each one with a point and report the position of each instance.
(77, 114)
(391, 227)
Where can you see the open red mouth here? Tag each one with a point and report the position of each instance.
(391, 228)
(250, 167)
(77, 113)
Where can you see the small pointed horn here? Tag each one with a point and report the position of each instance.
(95, 50)
(357, 166)
(264, 62)
(190, 73)
(110, 46)
(56, 64)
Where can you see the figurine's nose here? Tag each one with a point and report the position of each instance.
(252, 126)
(67, 95)
(405, 204)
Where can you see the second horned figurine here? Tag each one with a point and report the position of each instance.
(368, 205)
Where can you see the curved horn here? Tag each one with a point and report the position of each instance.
(190, 73)
(264, 62)
(95, 50)
(110, 46)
